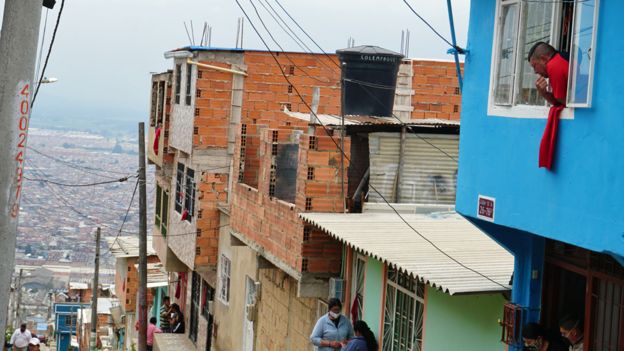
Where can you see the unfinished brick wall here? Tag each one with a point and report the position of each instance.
(127, 291)
(267, 92)
(212, 190)
(213, 102)
(436, 90)
(274, 224)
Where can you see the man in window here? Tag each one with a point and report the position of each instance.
(549, 64)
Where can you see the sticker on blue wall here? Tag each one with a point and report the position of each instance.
(486, 207)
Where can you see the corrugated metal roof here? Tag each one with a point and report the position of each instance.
(335, 120)
(156, 275)
(386, 237)
(128, 246)
(429, 172)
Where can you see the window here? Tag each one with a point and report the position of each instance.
(357, 284)
(157, 207)
(403, 313)
(70, 321)
(161, 102)
(179, 188)
(154, 106)
(569, 26)
(224, 292)
(195, 294)
(207, 297)
(189, 198)
(164, 223)
(189, 70)
(178, 82)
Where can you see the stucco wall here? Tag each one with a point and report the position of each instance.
(580, 201)
(467, 323)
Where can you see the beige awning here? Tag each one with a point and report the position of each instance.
(385, 236)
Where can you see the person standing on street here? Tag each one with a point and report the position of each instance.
(164, 314)
(21, 338)
(333, 330)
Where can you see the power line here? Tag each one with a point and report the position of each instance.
(85, 169)
(120, 180)
(70, 206)
(347, 158)
(45, 65)
(331, 59)
(136, 186)
(460, 50)
(282, 49)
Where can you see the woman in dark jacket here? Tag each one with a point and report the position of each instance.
(364, 339)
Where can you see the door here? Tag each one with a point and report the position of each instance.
(250, 307)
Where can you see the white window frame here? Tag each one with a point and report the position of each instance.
(529, 111)
(225, 270)
(358, 258)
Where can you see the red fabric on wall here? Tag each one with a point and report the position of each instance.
(156, 140)
(557, 69)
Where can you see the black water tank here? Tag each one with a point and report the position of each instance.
(369, 80)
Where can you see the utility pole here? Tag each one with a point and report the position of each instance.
(18, 51)
(94, 295)
(18, 304)
(142, 243)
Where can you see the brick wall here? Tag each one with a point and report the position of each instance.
(213, 101)
(285, 321)
(274, 224)
(436, 90)
(212, 189)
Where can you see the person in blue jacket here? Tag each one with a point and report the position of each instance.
(333, 330)
(364, 339)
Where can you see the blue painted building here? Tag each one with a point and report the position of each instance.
(565, 227)
(65, 323)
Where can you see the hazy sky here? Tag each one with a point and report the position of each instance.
(106, 49)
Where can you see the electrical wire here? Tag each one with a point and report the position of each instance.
(347, 158)
(282, 49)
(120, 180)
(331, 59)
(136, 186)
(85, 169)
(68, 204)
(45, 65)
(460, 50)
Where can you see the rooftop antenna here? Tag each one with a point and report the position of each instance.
(407, 43)
(203, 37)
(192, 32)
(187, 34)
(239, 33)
(402, 42)
(209, 36)
(242, 31)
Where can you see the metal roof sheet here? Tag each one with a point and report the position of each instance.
(128, 246)
(350, 120)
(156, 275)
(386, 237)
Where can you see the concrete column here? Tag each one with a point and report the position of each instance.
(18, 51)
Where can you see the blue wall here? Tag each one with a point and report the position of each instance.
(62, 311)
(581, 202)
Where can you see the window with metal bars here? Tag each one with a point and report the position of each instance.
(308, 204)
(189, 70)
(403, 312)
(224, 279)
(272, 180)
(208, 294)
(189, 199)
(178, 81)
(310, 173)
(195, 303)
(179, 199)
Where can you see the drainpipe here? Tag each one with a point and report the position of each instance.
(455, 50)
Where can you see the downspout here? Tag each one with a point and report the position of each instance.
(456, 50)
(398, 189)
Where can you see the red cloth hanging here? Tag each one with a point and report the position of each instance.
(156, 140)
(185, 215)
(355, 307)
(557, 69)
(549, 139)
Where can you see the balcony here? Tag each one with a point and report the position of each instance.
(160, 112)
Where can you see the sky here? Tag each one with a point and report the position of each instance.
(105, 50)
